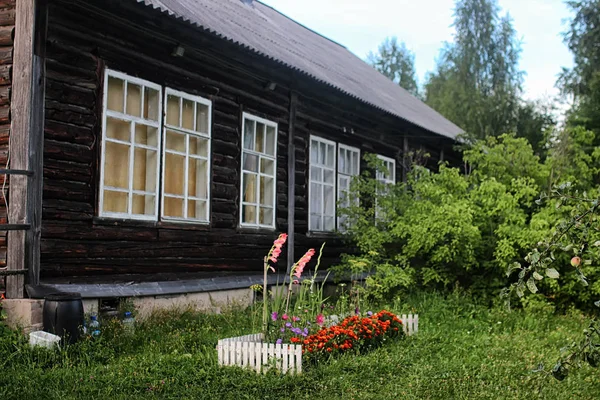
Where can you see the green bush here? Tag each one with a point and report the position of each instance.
(467, 228)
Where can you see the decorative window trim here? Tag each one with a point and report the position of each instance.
(106, 113)
(387, 160)
(341, 175)
(188, 133)
(261, 155)
(319, 139)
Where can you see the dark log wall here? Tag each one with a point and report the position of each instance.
(83, 39)
(7, 25)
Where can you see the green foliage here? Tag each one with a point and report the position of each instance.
(463, 350)
(477, 82)
(397, 62)
(447, 228)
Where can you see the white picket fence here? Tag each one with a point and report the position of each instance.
(250, 351)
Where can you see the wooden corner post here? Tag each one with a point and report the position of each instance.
(26, 143)
(291, 181)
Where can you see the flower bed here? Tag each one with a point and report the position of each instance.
(353, 333)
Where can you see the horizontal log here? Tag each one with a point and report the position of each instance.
(7, 16)
(67, 151)
(62, 131)
(6, 35)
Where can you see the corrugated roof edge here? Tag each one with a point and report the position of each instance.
(294, 68)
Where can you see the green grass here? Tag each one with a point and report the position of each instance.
(463, 351)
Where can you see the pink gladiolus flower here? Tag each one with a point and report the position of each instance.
(320, 319)
(302, 263)
(276, 250)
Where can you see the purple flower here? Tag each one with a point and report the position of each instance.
(279, 341)
(296, 331)
(282, 330)
(356, 311)
(288, 324)
(274, 315)
(305, 332)
(369, 313)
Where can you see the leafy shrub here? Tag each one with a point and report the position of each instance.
(468, 227)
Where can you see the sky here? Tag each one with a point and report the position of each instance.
(424, 25)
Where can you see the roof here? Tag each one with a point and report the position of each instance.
(270, 33)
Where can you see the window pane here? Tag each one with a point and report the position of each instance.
(342, 161)
(173, 110)
(330, 156)
(315, 222)
(197, 178)
(118, 129)
(249, 187)
(314, 152)
(115, 201)
(316, 197)
(266, 190)
(328, 224)
(249, 214)
(249, 134)
(329, 200)
(316, 174)
(322, 153)
(260, 138)
(250, 162)
(266, 216)
(198, 146)
(134, 100)
(146, 135)
(174, 173)
(144, 170)
(267, 166)
(201, 118)
(116, 165)
(143, 205)
(187, 115)
(151, 98)
(328, 176)
(355, 163)
(176, 141)
(173, 207)
(197, 209)
(270, 141)
(116, 94)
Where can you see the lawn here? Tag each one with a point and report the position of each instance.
(463, 351)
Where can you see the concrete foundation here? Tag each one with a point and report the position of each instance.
(24, 314)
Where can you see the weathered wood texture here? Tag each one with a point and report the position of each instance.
(20, 110)
(81, 43)
(7, 24)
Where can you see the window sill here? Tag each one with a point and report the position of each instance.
(135, 223)
(255, 229)
(108, 221)
(322, 234)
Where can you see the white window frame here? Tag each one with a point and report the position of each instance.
(345, 175)
(387, 161)
(188, 133)
(132, 145)
(246, 116)
(327, 142)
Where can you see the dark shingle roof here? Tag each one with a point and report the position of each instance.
(266, 31)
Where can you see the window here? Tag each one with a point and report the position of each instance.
(186, 163)
(137, 143)
(259, 167)
(322, 200)
(388, 175)
(348, 166)
(130, 136)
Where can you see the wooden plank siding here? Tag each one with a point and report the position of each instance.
(86, 37)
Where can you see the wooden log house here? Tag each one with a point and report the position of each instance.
(166, 143)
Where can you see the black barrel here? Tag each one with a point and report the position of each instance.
(63, 315)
